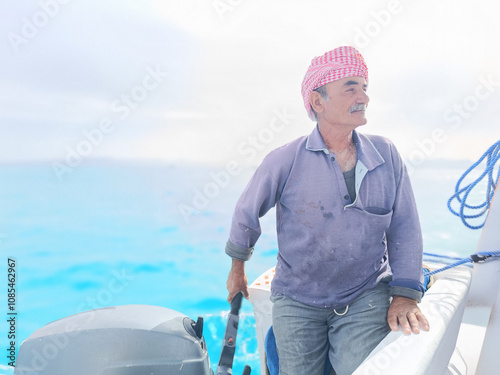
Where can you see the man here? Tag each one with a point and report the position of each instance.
(349, 238)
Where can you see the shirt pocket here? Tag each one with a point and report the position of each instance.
(372, 222)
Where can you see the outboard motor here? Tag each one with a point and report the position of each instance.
(121, 340)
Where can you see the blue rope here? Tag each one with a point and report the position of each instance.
(478, 257)
(492, 156)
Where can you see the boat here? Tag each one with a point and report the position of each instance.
(462, 307)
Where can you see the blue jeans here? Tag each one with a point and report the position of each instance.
(305, 335)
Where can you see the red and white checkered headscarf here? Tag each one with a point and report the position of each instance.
(339, 63)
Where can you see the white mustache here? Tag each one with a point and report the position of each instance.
(357, 107)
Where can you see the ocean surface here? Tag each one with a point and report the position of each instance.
(161, 230)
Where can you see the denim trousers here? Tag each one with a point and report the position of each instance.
(305, 335)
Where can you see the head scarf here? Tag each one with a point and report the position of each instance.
(339, 63)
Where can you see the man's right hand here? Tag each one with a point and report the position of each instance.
(237, 280)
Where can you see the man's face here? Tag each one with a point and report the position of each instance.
(347, 102)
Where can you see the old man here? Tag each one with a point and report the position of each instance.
(349, 263)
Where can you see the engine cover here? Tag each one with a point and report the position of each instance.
(121, 340)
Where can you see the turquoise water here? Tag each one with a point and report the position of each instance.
(109, 222)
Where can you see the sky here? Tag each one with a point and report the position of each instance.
(218, 81)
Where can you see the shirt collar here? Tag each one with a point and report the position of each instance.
(367, 152)
(315, 141)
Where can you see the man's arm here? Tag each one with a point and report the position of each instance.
(404, 244)
(257, 199)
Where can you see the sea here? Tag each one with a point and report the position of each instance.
(160, 229)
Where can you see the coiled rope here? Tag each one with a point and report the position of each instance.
(492, 156)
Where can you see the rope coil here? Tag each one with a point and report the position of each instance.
(492, 156)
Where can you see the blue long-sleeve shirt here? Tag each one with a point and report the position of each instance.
(332, 249)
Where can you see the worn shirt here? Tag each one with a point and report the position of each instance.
(330, 249)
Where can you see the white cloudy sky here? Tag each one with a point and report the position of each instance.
(231, 64)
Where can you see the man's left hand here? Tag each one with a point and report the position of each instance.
(406, 312)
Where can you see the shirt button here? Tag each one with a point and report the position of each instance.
(346, 197)
(333, 159)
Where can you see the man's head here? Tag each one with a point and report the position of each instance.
(342, 102)
(343, 72)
